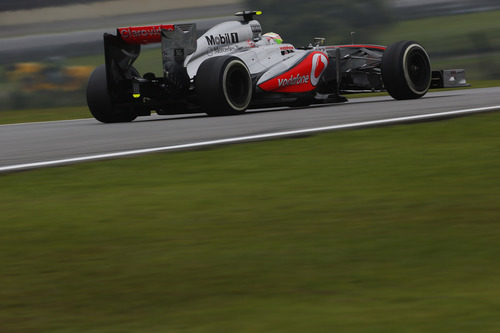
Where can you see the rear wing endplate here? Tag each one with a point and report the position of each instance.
(121, 50)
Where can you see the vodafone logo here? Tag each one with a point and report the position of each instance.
(302, 77)
(297, 80)
(319, 63)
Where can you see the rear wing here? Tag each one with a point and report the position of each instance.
(121, 50)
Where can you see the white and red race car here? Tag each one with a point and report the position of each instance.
(234, 67)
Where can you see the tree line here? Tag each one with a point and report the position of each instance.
(298, 21)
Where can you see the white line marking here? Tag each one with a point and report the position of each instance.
(246, 138)
(47, 122)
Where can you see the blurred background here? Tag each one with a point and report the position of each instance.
(49, 48)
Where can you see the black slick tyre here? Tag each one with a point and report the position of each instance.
(100, 102)
(406, 70)
(224, 86)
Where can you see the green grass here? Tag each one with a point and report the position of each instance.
(447, 33)
(389, 229)
(50, 114)
(481, 68)
(148, 61)
(470, 41)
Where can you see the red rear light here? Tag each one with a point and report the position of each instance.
(143, 35)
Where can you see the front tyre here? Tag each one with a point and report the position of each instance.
(224, 86)
(406, 70)
(100, 103)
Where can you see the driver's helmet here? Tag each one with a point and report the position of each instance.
(273, 37)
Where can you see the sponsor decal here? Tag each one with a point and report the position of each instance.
(256, 28)
(303, 77)
(299, 79)
(222, 39)
(143, 35)
(287, 48)
(319, 63)
(215, 50)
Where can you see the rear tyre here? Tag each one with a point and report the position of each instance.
(406, 70)
(224, 86)
(100, 102)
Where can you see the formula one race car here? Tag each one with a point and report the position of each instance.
(233, 67)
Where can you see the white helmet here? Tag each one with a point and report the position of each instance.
(273, 37)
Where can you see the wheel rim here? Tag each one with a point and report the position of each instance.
(237, 86)
(417, 69)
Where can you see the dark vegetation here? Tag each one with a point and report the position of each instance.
(298, 21)
(6, 5)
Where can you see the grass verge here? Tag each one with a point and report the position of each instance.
(459, 33)
(394, 228)
(50, 114)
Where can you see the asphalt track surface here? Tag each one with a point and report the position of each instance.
(33, 145)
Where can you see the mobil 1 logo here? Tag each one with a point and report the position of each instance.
(222, 39)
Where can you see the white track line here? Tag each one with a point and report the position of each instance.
(46, 122)
(248, 138)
